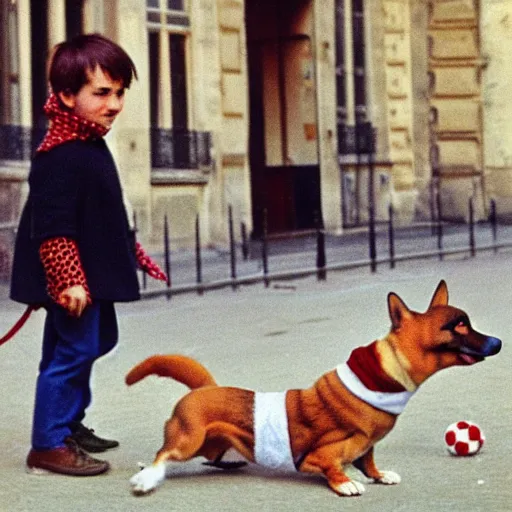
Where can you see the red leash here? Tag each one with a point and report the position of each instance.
(18, 325)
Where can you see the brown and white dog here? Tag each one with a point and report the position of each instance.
(335, 422)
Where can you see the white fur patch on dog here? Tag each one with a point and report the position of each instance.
(148, 479)
(389, 478)
(351, 488)
(271, 438)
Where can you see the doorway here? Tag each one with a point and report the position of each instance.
(283, 148)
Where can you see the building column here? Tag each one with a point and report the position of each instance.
(56, 22)
(455, 61)
(94, 16)
(399, 99)
(330, 175)
(25, 72)
(125, 23)
(349, 65)
(496, 90)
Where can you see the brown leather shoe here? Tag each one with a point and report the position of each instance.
(67, 460)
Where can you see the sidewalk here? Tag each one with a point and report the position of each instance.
(272, 339)
(289, 256)
(296, 256)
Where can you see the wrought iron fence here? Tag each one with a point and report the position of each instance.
(180, 149)
(19, 142)
(173, 149)
(356, 140)
(274, 260)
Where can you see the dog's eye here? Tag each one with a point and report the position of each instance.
(459, 325)
(462, 328)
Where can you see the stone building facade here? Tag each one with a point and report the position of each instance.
(284, 112)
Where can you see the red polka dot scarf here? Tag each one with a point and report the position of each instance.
(66, 126)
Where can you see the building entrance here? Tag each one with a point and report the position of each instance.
(283, 148)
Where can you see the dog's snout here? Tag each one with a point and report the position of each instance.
(492, 346)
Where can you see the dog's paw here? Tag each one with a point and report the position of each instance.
(388, 478)
(351, 488)
(148, 479)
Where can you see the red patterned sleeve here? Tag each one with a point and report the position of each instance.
(146, 264)
(62, 266)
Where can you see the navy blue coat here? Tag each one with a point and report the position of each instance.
(75, 192)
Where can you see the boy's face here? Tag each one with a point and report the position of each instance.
(100, 100)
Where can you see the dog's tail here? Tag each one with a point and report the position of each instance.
(181, 368)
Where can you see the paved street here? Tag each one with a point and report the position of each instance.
(271, 339)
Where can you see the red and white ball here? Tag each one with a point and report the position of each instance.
(464, 438)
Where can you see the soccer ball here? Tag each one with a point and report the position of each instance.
(464, 438)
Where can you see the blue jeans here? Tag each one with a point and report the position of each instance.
(70, 347)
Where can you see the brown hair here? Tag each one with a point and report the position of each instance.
(71, 60)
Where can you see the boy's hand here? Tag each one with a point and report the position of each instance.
(65, 278)
(74, 299)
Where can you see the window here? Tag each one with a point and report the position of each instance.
(168, 33)
(154, 77)
(341, 89)
(173, 144)
(176, 5)
(178, 81)
(39, 51)
(356, 137)
(350, 75)
(358, 40)
(19, 141)
(74, 18)
(167, 14)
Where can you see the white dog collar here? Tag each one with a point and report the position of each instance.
(394, 403)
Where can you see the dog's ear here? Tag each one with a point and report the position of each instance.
(440, 297)
(397, 310)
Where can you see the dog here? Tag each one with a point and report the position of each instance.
(334, 423)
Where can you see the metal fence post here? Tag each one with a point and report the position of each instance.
(391, 237)
(439, 225)
(199, 269)
(433, 205)
(493, 218)
(264, 249)
(321, 274)
(471, 228)
(232, 247)
(371, 198)
(245, 244)
(167, 255)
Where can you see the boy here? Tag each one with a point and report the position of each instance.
(75, 254)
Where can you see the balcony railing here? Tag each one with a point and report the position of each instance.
(180, 149)
(356, 140)
(19, 142)
(170, 149)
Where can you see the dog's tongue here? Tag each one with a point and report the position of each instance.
(468, 359)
